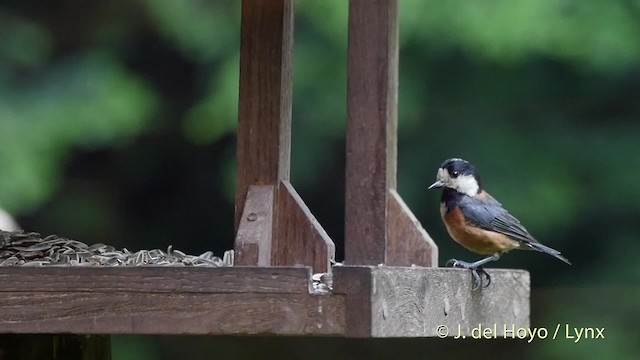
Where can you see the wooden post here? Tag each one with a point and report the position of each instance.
(264, 113)
(379, 227)
(274, 226)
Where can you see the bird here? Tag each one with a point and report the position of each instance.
(478, 222)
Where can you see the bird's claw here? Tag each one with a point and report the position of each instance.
(452, 263)
(477, 272)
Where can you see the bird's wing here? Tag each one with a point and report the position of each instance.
(487, 213)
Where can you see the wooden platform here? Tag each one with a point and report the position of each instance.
(367, 301)
(275, 230)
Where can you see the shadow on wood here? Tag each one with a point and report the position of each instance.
(55, 347)
(407, 241)
(300, 240)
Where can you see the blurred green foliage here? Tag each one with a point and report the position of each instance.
(117, 124)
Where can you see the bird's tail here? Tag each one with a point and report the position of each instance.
(547, 250)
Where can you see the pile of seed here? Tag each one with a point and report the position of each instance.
(19, 248)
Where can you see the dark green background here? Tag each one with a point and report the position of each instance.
(117, 125)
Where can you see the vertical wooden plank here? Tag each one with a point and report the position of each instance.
(293, 236)
(300, 240)
(55, 347)
(371, 127)
(264, 114)
(379, 227)
(254, 237)
(355, 282)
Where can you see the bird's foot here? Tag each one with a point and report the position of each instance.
(477, 273)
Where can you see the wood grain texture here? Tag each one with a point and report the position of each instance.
(379, 227)
(356, 283)
(300, 240)
(367, 301)
(254, 236)
(162, 313)
(371, 127)
(413, 302)
(289, 234)
(155, 279)
(408, 243)
(264, 113)
(165, 301)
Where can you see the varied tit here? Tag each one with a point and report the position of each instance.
(475, 220)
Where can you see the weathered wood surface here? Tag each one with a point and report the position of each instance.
(356, 283)
(253, 242)
(264, 112)
(371, 109)
(408, 243)
(158, 313)
(155, 279)
(379, 228)
(413, 302)
(293, 237)
(366, 301)
(287, 234)
(300, 239)
(158, 300)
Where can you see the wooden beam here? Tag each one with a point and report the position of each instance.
(156, 279)
(288, 234)
(166, 300)
(371, 109)
(413, 302)
(356, 283)
(264, 113)
(379, 228)
(158, 313)
(367, 301)
(387, 301)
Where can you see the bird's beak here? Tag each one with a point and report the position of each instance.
(436, 185)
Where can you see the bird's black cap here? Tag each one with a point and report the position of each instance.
(459, 166)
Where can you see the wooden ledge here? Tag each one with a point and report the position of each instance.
(414, 301)
(165, 300)
(367, 301)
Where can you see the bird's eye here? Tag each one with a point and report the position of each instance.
(455, 174)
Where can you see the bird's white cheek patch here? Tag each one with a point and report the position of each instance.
(467, 184)
(443, 176)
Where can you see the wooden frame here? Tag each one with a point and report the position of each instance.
(367, 301)
(279, 243)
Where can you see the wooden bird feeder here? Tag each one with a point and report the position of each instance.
(279, 244)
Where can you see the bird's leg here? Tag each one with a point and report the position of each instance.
(476, 269)
(473, 265)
